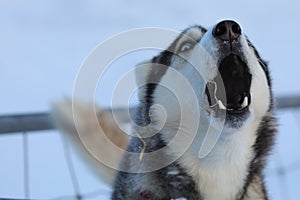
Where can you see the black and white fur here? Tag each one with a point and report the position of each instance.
(233, 168)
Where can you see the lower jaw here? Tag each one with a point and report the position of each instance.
(236, 121)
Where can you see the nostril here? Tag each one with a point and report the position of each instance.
(220, 29)
(236, 29)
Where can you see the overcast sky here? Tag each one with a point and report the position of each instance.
(43, 44)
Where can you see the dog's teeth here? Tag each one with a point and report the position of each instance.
(221, 105)
(245, 102)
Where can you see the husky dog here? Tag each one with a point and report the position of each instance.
(227, 83)
(233, 167)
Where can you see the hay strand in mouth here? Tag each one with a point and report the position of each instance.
(215, 94)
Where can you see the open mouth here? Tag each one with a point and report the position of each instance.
(230, 90)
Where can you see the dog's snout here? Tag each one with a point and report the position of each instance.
(227, 30)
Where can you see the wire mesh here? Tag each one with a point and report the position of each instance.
(281, 171)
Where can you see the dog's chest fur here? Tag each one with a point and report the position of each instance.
(221, 175)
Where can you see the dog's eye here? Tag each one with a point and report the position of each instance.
(185, 47)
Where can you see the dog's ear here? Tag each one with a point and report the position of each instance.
(142, 73)
(148, 73)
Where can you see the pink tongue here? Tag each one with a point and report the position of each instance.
(145, 194)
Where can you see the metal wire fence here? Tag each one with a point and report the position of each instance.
(26, 124)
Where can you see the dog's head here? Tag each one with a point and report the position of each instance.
(221, 66)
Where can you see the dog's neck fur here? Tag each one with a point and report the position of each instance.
(222, 174)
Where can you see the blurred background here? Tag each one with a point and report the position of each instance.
(43, 44)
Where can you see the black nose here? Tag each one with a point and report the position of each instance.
(227, 30)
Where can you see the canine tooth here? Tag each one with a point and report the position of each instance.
(245, 102)
(221, 105)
